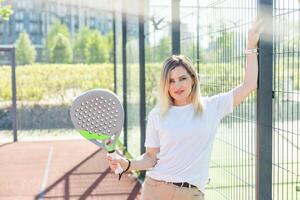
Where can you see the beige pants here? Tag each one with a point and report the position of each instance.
(161, 190)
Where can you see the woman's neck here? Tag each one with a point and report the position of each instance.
(181, 103)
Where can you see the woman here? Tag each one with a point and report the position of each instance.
(181, 129)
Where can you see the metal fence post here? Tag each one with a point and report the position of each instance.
(175, 27)
(14, 93)
(198, 38)
(114, 48)
(142, 74)
(264, 104)
(11, 49)
(142, 79)
(124, 60)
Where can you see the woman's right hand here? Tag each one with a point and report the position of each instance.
(113, 163)
(254, 33)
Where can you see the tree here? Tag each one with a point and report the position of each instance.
(163, 49)
(148, 53)
(5, 11)
(109, 38)
(56, 28)
(80, 44)
(25, 51)
(61, 51)
(96, 51)
(225, 45)
(92, 47)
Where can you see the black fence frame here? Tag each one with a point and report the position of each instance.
(263, 186)
(264, 91)
(12, 51)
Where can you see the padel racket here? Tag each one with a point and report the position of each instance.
(98, 116)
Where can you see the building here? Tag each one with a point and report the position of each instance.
(36, 16)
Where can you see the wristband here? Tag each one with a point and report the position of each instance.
(120, 175)
(251, 51)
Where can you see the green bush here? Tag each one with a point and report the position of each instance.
(56, 81)
(49, 82)
(25, 51)
(61, 51)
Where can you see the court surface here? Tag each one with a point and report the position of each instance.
(65, 169)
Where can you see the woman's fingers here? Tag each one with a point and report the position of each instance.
(254, 33)
(113, 166)
(259, 26)
(258, 22)
(260, 29)
(113, 163)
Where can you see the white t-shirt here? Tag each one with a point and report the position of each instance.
(186, 140)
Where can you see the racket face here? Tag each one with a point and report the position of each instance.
(98, 115)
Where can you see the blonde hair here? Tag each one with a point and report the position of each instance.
(166, 101)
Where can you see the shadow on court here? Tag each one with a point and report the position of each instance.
(73, 169)
(4, 144)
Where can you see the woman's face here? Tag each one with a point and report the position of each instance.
(180, 86)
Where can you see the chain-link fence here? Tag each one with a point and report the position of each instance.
(261, 136)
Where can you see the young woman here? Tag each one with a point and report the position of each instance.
(182, 128)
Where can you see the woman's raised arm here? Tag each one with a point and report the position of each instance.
(251, 72)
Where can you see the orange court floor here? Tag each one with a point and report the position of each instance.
(64, 169)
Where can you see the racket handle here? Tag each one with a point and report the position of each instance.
(119, 169)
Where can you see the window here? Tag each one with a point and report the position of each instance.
(32, 39)
(33, 28)
(1, 27)
(53, 19)
(19, 27)
(22, 4)
(53, 7)
(92, 22)
(63, 9)
(33, 16)
(19, 15)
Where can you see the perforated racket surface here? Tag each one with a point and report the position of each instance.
(98, 115)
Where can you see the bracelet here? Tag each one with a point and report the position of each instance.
(129, 163)
(251, 51)
(127, 166)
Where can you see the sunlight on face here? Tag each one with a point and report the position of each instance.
(180, 86)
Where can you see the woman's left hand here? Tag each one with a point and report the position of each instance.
(253, 34)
